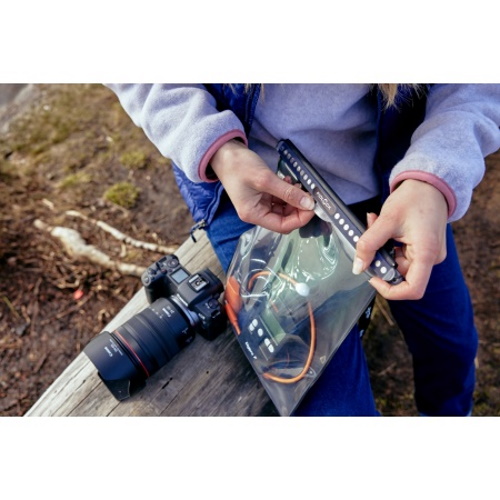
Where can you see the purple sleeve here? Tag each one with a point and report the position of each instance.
(447, 150)
(181, 121)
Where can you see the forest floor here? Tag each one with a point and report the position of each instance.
(72, 147)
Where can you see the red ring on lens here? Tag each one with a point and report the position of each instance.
(133, 352)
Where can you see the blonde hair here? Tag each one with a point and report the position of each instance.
(390, 91)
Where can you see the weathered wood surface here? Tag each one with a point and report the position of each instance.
(204, 379)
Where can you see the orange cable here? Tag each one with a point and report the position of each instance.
(312, 347)
(302, 374)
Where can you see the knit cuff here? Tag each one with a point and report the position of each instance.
(205, 172)
(432, 179)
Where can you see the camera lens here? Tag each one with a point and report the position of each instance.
(137, 349)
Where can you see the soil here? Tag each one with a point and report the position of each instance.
(62, 147)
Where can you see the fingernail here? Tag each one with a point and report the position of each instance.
(357, 266)
(307, 203)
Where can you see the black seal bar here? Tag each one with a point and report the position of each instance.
(329, 207)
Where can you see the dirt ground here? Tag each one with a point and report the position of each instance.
(63, 147)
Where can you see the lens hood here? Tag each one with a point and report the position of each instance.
(115, 368)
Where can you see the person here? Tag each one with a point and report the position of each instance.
(409, 156)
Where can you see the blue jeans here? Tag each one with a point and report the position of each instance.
(439, 331)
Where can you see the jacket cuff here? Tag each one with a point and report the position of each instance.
(205, 172)
(432, 179)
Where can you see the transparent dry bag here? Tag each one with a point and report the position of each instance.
(291, 300)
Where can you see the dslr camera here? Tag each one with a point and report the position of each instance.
(180, 305)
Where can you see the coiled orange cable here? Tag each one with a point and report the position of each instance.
(233, 301)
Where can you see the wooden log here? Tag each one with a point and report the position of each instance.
(204, 379)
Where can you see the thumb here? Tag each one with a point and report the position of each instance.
(374, 238)
(371, 218)
(290, 194)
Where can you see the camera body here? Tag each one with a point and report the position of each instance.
(180, 305)
(197, 294)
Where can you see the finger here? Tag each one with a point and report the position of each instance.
(402, 261)
(413, 288)
(289, 193)
(282, 222)
(370, 241)
(371, 218)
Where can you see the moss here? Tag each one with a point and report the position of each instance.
(52, 123)
(134, 160)
(75, 128)
(123, 194)
(74, 180)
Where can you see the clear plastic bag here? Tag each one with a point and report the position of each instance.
(291, 300)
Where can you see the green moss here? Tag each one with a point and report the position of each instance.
(72, 137)
(52, 123)
(75, 180)
(123, 194)
(134, 160)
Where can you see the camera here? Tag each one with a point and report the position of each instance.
(180, 305)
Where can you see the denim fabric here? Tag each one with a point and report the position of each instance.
(343, 389)
(439, 330)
